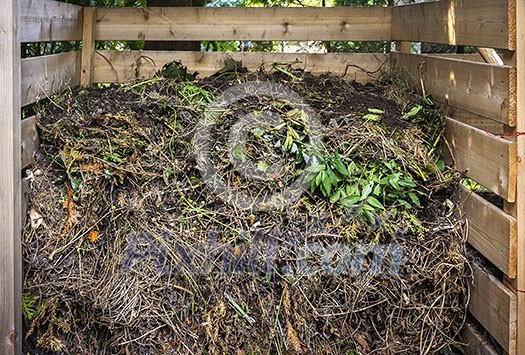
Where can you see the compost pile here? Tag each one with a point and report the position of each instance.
(248, 212)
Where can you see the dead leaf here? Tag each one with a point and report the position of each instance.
(365, 349)
(92, 168)
(72, 213)
(36, 219)
(93, 236)
(291, 333)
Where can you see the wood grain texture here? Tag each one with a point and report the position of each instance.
(42, 76)
(10, 181)
(490, 55)
(88, 46)
(473, 57)
(120, 66)
(489, 160)
(480, 88)
(477, 121)
(491, 231)
(47, 21)
(26, 192)
(494, 306)
(477, 343)
(30, 140)
(244, 23)
(487, 23)
(520, 141)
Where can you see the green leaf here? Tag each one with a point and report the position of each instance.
(279, 126)
(352, 167)
(371, 117)
(334, 179)
(309, 177)
(350, 201)
(413, 111)
(315, 168)
(262, 166)
(366, 191)
(369, 216)
(335, 196)
(378, 190)
(319, 178)
(404, 203)
(385, 180)
(393, 182)
(406, 183)
(440, 165)
(376, 111)
(288, 141)
(340, 167)
(352, 190)
(313, 186)
(374, 202)
(327, 184)
(237, 152)
(414, 198)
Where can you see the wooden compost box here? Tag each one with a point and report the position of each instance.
(485, 112)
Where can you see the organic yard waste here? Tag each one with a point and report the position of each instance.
(244, 213)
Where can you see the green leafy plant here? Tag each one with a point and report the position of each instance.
(472, 185)
(374, 115)
(367, 187)
(29, 310)
(176, 71)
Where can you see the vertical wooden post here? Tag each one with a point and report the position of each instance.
(88, 45)
(10, 181)
(405, 47)
(520, 197)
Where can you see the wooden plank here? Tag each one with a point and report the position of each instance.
(489, 160)
(484, 89)
(120, 66)
(477, 121)
(487, 23)
(26, 192)
(405, 47)
(48, 21)
(473, 57)
(30, 140)
(490, 56)
(491, 231)
(494, 306)
(10, 191)
(42, 76)
(476, 343)
(88, 46)
(520, 141)
(245, 23)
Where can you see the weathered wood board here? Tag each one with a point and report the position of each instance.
(484, 89)
(489, 160)
(48, 21)
(42, 76)
(30, 140)
(10, 182)
(120, 66)
(491, 231)
(245, 23)
(487, 23)
(495, 307)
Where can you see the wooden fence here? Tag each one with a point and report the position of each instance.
(486, 108)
